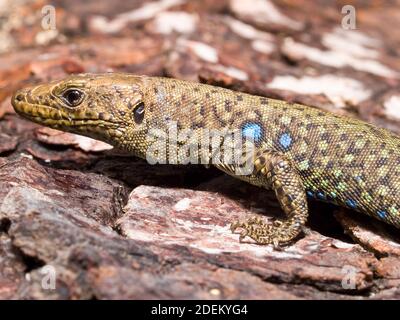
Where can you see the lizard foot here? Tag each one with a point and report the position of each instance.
(282, 177)
(277, 233)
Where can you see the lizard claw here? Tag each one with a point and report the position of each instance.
(235, 225)
(243, 235)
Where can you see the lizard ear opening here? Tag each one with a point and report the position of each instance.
(138, 113)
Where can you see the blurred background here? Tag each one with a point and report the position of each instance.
(338, 55)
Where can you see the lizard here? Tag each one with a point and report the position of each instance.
(299, 152)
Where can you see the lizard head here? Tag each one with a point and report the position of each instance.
(107, 107)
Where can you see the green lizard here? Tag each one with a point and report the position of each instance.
(299, 151)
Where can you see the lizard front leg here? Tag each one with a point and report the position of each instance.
(281, 177)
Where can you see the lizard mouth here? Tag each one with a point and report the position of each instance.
(69, 122)
(54, 117)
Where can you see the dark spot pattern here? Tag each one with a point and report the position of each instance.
(228, 105)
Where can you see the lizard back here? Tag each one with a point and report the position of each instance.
(340, 160)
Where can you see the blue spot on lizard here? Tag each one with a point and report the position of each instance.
(351, 203)
(252, 130)
(382, 214)
(321, 196)
(285, 140)
(310, 194)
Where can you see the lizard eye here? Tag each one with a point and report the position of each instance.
(73, 97)
(138, 113)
